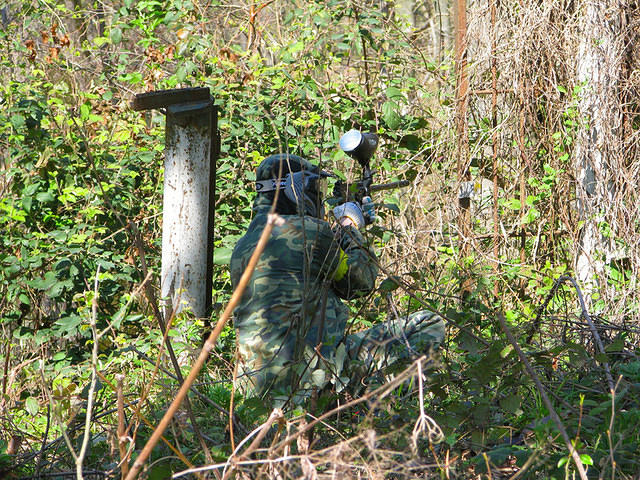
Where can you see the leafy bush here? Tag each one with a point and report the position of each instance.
(81, 190)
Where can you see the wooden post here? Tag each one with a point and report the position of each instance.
(494, 145)
(191, 149)
(462, 128)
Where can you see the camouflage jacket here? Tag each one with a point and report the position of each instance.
(290, 322)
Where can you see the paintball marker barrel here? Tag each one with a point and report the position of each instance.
(389, 186)
(346, 192)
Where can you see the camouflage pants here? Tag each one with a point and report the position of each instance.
(358, 357)
(385, 344)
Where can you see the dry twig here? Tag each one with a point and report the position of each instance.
(204, 353)
(556, 419)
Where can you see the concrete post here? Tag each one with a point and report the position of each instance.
(191, 149)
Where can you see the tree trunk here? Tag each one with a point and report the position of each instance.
(597, 153)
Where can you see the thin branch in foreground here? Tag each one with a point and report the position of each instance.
(585, 313)
(424, 424)
(261, 432)
(239, 426)
(554, 415)
(78, 457)
(164, 326)
(94, 368)
(379, 393)
(218, 466)
(206, 349)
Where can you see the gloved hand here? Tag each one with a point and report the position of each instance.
(351, 211)
(368, 210)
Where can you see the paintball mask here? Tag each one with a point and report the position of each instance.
(305, 188)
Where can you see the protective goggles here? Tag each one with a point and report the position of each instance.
(299, 182)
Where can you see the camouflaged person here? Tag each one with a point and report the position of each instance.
(291, 321)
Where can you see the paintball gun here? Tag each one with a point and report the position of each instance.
(361, 147)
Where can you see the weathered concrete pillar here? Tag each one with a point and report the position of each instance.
(191, 149)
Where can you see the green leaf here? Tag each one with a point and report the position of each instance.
(390, 284)
(85, 111)
(586, 459)
(514, 204)
(31, 405)
(222, 255)
(23, 333)
(394, 93)
(506, 351)
(390, 116)
(616, 346)
(499, 455)
(181, 73)
(480, 412)
(43, 283)
(58, 236)
(318, 377)
(531, 216)
(17, 121)
(411, 142)
(468, 343)
(116, 35)
(160, 471)
(511, 403)
(45, 197)
(100, 41)
(26, 203)
(106, 265)
(69, 325)
(59, 356)
(55, 290)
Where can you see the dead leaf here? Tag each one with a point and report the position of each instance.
(228, 54)
(182, 34)
(247, 77)
(154, 55)
(30, 44)
(54, 52)
(63, 40)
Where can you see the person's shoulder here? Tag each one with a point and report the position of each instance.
(250, 238)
